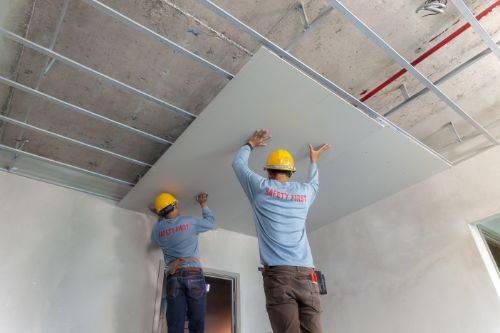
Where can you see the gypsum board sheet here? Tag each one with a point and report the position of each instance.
(270, 93)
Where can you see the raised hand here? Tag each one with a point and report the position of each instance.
(314, 153)
(202, 199)
(259, 138)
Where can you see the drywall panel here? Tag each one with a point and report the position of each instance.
(367, 162)
(365, 181)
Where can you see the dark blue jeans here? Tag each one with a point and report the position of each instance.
(186, 294)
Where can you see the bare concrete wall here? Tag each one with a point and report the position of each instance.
(408, 263)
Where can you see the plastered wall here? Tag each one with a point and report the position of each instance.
(76, 263)
(408, 263)
(235, 252)
(72, 262)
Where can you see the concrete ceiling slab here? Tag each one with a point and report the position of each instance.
(368, 161)
(332, 46)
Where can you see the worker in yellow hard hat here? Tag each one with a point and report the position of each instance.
(280, 209)
(177, 235)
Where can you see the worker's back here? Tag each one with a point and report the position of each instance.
(178, 237)
(280, 213)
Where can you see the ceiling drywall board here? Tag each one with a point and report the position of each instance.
(367, 163)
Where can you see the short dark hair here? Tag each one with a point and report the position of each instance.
(274, 172)
(165, 211)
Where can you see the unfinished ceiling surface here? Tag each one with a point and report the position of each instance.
(152, 81)
(368, 162)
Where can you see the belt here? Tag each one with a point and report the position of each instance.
(298, 271)
(286, 268)
(186, 272)
(174, 265)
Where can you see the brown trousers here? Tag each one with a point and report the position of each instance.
(292, 300)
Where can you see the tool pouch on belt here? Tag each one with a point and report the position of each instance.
(321, 282)
(175, 265)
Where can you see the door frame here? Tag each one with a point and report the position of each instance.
(234, 278)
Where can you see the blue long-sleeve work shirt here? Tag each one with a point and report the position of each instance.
(178, 237)
(280, 213)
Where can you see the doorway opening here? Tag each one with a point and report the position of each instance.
(222, 314)
(222, 302)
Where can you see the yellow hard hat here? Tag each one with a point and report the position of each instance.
(280, 160)
(163, 200)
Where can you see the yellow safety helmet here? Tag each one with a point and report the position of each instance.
(280, 159)
(163, 200)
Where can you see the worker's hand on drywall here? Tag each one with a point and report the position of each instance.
(202, 199)
(259, 138)
(314, 153)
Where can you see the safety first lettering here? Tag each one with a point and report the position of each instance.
(169, 231)
(270, 192)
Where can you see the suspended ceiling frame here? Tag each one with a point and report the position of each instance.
(284, 54)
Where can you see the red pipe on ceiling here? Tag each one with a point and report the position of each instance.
(427, 53)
